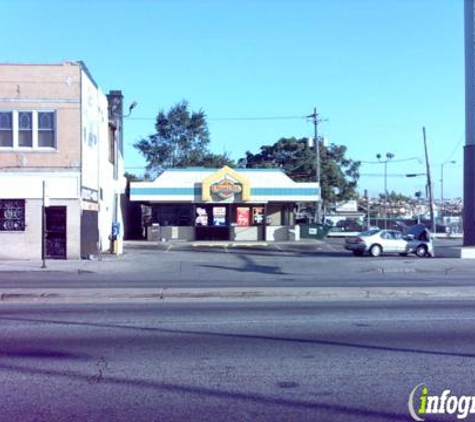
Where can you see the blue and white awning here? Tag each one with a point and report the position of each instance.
(226, 185)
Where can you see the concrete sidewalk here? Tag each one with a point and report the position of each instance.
(118, 295)
(446, 255)
(145, 260)
(104, 265)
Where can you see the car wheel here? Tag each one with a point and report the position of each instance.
(421, 251)
(376, 250)
(358, 253)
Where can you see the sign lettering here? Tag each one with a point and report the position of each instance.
(226, 188)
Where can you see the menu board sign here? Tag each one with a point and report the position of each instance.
(258, 215)
(219, 216)
(201, 218)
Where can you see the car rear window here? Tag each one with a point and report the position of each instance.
(369, 233)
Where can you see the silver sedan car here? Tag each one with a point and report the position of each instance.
(376, 242)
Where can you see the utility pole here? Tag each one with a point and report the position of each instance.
(318, 203)
(442, 190)
(366, 195)
(429, 183)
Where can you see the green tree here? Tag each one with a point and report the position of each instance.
(338, 174)
(181, 139)
(211, 160)
(132, 177)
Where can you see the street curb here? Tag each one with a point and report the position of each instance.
(317, 294)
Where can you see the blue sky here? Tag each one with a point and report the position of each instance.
(378, 70)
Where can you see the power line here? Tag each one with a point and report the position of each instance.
(401, 160)
(382, 175)
(230, 119)
(455, 149)
(258, 118)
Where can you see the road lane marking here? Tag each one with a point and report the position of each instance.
(331, 247)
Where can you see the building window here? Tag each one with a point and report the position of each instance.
(173, 215)
(46, 129)
(112, 133)
(12, 215)
(6, 129)
(25, 129)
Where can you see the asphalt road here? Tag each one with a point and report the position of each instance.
(292, 265)
(229, 361)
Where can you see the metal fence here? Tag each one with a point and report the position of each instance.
(449, 225)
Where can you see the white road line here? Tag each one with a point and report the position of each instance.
(331, 247)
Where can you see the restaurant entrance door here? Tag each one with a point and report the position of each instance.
(55, 232)
(212, 222)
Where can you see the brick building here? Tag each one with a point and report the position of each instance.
(58, 130)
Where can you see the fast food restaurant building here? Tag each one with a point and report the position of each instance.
(224, 204)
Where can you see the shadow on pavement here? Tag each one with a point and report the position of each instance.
(314, 341)
(330, 248)
(253, 398)
(249, 266)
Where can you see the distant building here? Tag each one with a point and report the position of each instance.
(57, 127)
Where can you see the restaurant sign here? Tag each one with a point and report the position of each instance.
(225, 184)
(226, 188)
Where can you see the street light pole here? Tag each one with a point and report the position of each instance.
(389, 156)
(429, 183)
(442, 185)
(117, 117)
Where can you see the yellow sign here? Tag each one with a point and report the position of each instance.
(226, 183)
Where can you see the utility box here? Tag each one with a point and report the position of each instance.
(117, 247)
(314, 231)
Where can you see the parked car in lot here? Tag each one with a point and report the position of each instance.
(417, 239)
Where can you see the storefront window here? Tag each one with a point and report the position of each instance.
(12, 215)
(211, 215)
(173, 215)
(249, 216)
(242, 216)
(201, 218)
(219, 216)
(258, 216)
